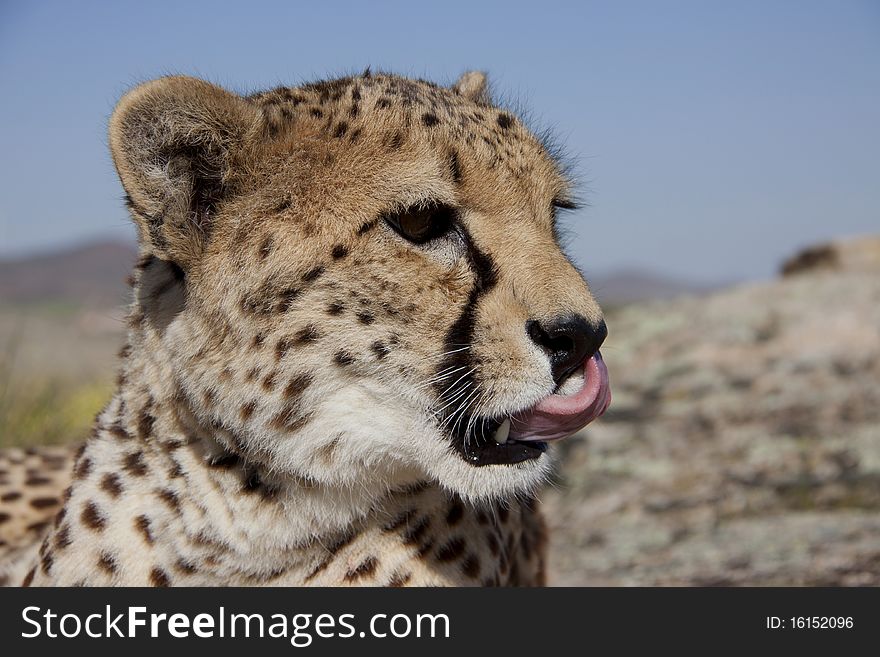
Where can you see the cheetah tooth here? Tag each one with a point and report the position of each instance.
(502, 432)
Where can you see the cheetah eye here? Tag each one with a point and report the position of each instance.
(422, 223)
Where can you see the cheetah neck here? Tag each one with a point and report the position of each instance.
(209, 495)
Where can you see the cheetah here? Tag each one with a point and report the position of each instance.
(353, 334)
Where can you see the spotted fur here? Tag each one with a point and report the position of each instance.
(296, 373)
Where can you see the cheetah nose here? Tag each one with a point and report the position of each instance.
(567, 341)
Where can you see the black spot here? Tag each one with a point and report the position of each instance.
(335, 308)
(339, 251)
(62, 537)
(353, 112)
(287, 297)
(413, 534)
(145, 423)
(107, 563)
(170, 498)
(290, 419)
(471, 566)
(316, 112)
(306, 335)
(186, 567)
(134, 463)
(341, 129)
(252, 482)
(451, 550)
(159, 577)
(266, 247)
(383, 103)
(455, 167)
(399, 579)
(492, 542)
(297, 386)
(332, 550)
(366, 568)
(430, 119)
(142, 524)
(92, 517)
(399, 521)
(44, 502)
(503, 512)
(456, 511)
(505, 121)
(111, 484)
(83, 468)
(380, 349)
(343, 358)
(312, 274)
(247, 410)
(269, 381)
(396, 141)
(283, 204)
(366, 317)
(46, 563)
(224, 461)
(367, 227)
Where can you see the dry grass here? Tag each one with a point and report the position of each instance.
(56, 373)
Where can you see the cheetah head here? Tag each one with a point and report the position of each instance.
(359, 282)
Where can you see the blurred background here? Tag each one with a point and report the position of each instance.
(728, 161)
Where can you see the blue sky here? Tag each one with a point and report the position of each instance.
(711, 139)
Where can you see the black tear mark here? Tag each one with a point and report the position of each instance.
(461, 333)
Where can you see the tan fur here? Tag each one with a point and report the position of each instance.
(32, 482)
(280, 415)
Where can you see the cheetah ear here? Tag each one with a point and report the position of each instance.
(174, 141)
(474, 86)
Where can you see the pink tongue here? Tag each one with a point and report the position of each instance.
(559, 416)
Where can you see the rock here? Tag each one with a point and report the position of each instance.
(742, 445)
(858, 254)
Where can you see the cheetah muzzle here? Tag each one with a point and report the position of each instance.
(353, 335)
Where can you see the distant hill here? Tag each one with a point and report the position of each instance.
(90, 275)
(630, 285)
